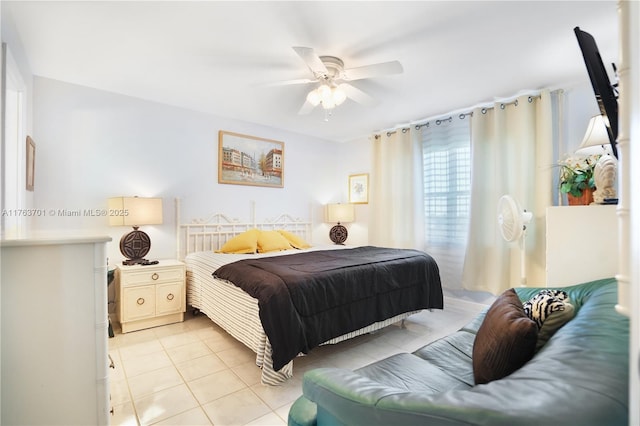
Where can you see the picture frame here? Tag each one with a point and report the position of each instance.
(359, 188)
(250, 160)
(31, 163)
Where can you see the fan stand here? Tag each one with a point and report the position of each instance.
(513, 221)
(523, 259)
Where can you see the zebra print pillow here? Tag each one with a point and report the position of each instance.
(543, 304)
(550, 310)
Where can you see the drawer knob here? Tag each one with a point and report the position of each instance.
(170, 296)
(140, 301)
(155, 276)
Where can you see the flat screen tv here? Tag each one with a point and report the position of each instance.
(606, 94)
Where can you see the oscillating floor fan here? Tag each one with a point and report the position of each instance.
(513, 221)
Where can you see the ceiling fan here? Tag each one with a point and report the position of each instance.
(331, 79)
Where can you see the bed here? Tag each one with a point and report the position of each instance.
(239, 313)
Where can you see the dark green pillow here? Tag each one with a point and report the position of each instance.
(505, 341)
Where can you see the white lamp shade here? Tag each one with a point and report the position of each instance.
(340, 213)
(596, 134)
(135, 211)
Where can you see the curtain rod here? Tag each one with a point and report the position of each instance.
(469, 112)
(438, 122)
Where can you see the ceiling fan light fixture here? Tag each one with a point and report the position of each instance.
(314, 98)
(328, 96)
(324, 91)
(333, 80)
(328, 103)
(339, 96)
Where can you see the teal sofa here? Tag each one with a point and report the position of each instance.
(579, 377)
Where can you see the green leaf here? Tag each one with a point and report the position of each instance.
(565, 187)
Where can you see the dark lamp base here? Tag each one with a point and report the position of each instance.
(338, 234)
(134, 246)
(139, 262)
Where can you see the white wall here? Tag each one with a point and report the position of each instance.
(92, 145)
(20, 79)
(579, 105)
(357, 160)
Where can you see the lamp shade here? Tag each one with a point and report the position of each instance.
(135, 211)
(340, 213)
(596, 134)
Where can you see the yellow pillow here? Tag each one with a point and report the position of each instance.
(247, 242)
(272, 241)
(295, 241)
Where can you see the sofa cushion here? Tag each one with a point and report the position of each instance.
(409, 372)
(452, 355)
(505, 341)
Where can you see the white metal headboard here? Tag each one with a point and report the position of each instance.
(210, 233)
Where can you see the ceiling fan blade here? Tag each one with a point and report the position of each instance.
(374, 70)
(357, 95)
(287, 82)
(312, 60)
(306, 108)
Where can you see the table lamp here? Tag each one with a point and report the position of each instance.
(606, 168)
(337, 213)
(135, 211)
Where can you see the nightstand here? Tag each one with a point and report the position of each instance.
(150, 295)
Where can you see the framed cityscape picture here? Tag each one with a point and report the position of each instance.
(250, 160)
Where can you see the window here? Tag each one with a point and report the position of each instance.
(447, 182)
(446, 150)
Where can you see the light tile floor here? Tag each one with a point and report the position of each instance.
(193, 373)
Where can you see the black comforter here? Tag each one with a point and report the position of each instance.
(308, 298)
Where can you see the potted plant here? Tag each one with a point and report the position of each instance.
(576, 178)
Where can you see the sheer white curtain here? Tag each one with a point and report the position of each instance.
(395, 218)
(511, 147)
(447, 186)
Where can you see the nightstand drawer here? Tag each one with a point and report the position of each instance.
(152, 276)
(169, 298)
(139, 302)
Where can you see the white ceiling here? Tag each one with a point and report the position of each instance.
(213, 56)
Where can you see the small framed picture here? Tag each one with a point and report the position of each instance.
(31, 163)
(359, 188)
